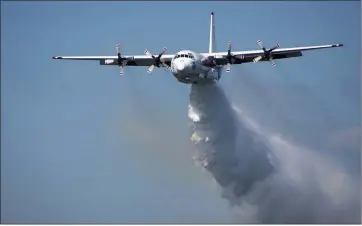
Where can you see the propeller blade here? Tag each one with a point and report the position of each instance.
(118, 49)
(260, 44)
(163, 63)
(124, 63)
(163, 50)
(258, 58)
(148, 53)
(229, 45)
(275, 47)
(121, 70)
(150, 68)
(272, 62)
(228, 67)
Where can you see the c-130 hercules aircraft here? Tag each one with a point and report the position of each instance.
(199, 68)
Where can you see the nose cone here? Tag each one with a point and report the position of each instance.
(180, 66)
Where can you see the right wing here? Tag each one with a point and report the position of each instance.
(138, 60)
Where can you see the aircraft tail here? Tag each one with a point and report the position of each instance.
(212, 43)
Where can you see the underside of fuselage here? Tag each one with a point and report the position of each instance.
(199, 77)
(196, 81)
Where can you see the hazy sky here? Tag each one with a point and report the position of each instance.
(81, 144)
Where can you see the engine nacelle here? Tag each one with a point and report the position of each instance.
(209, 61)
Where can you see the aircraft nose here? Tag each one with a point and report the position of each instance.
(180, 66)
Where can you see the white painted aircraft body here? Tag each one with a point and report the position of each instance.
(200, 68)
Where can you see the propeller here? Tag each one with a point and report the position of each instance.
(158, 62)
(121, 61)
(268, 55)
(231, 58)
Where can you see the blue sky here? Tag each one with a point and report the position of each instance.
(82, 144)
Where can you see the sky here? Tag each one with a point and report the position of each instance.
(82, 144)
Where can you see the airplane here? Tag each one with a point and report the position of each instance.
(190, 67)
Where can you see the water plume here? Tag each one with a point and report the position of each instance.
(266, 178)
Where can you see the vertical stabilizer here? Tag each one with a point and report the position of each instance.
(212, 43)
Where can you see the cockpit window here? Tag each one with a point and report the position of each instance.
(189, 55)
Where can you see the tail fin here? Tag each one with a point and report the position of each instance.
(212, 44)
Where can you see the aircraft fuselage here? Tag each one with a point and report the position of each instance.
(193, 68)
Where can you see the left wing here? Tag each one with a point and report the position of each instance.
(138, 60)
(239, 57)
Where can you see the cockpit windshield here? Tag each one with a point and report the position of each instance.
(188, 55)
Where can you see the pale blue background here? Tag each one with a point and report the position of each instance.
(81, 144)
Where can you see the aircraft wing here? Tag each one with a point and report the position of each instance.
(278, 53)
(138, 60)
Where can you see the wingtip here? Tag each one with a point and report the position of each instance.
(56, 57)
(338, 45)
(53, 57)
